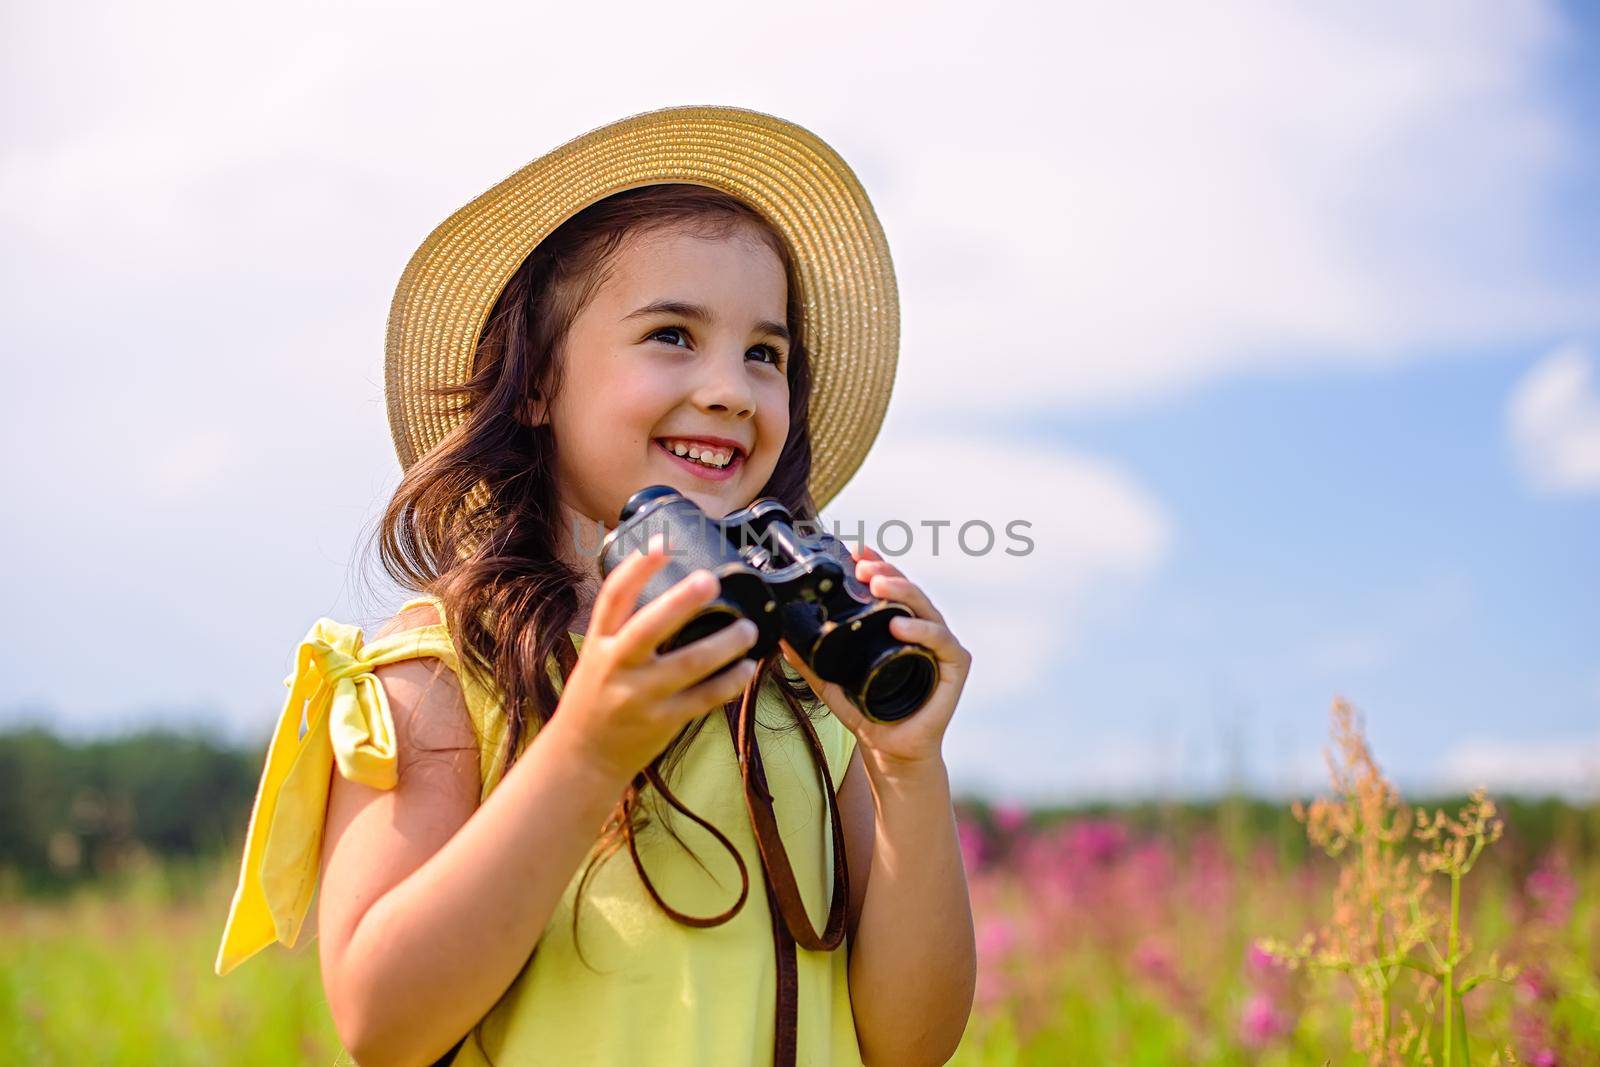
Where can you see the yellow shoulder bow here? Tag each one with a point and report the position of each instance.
(336, 714)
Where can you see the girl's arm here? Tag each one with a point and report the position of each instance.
(429, 909)
(912, 958)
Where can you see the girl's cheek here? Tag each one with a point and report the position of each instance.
(775, 410)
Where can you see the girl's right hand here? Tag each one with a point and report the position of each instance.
(625, 701)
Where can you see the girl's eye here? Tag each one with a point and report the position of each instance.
(666, 329)
(769, 354)
(773, 356)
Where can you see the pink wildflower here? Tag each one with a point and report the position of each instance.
(997, 937)
(1260, 962)
(1097, 841)
(974, 848)
(1261, 1022)
(1552, 891)
(1010, 819)
(997, 940)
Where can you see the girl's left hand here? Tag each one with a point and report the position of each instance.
(915, 739)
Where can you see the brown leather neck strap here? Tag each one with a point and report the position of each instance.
(790, 922)
(783, 895)
(774, 858)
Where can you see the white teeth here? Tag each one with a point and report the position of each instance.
(711, 457)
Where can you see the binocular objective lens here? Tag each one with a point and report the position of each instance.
(900, 686)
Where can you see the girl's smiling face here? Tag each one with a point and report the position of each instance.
(674, 373)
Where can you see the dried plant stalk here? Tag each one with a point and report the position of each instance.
(1386, 924)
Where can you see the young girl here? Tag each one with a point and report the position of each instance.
(694, 297)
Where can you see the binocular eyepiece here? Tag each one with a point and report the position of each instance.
(793, 585)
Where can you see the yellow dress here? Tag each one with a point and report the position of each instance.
(659, 992)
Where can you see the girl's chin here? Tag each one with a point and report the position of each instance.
(716, 503)
(714, 500)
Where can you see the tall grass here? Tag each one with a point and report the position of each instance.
(1402, 948)
(1106, 937)
(1100, 943)
(120, 973)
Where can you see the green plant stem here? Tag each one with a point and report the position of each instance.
(1450, 969)
(1384, 976)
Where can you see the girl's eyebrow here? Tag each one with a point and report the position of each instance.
(699, 313)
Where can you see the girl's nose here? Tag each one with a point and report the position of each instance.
(724, 388)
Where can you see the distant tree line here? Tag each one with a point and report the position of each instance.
(74, 810)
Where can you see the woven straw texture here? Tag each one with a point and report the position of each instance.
(811, 196)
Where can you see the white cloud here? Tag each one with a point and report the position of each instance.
(1090, 524)
(1110, 767)
(1553, 420)
(203, 212)
(1570, 767)
(1109, 203)
(1350, 191)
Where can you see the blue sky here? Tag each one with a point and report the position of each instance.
(1365, 534)
(1281, 322)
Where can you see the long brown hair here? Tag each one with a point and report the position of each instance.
(496, 565)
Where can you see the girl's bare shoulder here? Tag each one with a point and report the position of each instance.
(425, 696)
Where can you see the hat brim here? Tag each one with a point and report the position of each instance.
(808, 193)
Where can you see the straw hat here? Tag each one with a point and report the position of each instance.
(787, 173)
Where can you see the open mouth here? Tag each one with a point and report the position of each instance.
(702, 456)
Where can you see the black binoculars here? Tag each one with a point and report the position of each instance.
(801, 587)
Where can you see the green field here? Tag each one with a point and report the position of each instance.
(1124, 935)
(1117, 937)
(121, 974)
